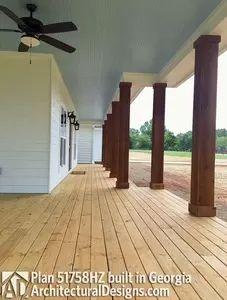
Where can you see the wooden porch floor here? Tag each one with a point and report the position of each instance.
(86, 224)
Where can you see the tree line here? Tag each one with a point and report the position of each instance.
(142, 139)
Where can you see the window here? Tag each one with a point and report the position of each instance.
(62, 152)
(63, 117)
(63, 137)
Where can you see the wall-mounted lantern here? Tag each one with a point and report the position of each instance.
(72, 117)
(77, 125)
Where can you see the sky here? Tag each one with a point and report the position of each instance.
(179, 103)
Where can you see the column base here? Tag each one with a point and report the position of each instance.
(202, 211)
(107, 169)
(157, 186)
(112, 175)
(122, 185)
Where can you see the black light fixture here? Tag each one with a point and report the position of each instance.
(77, 125)
(30, 41)
(72, 117)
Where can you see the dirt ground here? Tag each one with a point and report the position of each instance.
(177, 177)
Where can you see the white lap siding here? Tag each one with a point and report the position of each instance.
(97, 144)
(85, 144)
(24, 124)
(31, 97)
(60, 99)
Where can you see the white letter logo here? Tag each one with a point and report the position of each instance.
(13, 284)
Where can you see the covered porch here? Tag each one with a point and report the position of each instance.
(86, 224)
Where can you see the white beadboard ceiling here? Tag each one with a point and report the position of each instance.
(114, 36)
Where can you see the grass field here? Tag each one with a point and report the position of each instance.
(179, 153)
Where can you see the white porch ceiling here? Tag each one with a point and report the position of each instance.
(115, 36)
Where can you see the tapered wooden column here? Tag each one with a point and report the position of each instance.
(110, 141)
(103, 144)
(123, 159)
(108, 147)
(158, 131)
(204, 126)
(116, 138)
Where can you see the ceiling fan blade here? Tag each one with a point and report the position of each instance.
(10, 30)
(12, 16)
(56, 43)
(59, 27)
(23, 48)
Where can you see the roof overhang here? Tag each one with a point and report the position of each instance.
(181, 66)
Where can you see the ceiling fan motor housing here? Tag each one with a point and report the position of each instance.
(33, 24)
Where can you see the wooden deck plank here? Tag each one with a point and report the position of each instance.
(99, 261)
(183, 263)
(147, 258)
(64, 243)
(115, 259)
(15, 256)
(168, 200)
(203, 246)
(23, 221)
(82, 259)
(131, 257)
(161, 255)
(88, 225)
(45, 252)
(187, 245)
(209, 223)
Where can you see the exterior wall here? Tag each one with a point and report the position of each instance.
(60, 98)
(85, 142)
(97, 144)
(76, 146)
(89, 143)
(31, 98)
(24, 123)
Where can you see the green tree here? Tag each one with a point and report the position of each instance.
(221, 144)
(146, 128)
(184, 141)
(144, 142)
(134, 135)
(142, 139)
(170, 140)
(221, 132)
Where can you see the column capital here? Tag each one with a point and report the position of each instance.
(207, 39)
(160, 85)
(125, 84)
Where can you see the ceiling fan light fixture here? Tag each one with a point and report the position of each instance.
(30, 40)
(34, 31)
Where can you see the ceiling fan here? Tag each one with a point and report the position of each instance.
(35, 31)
